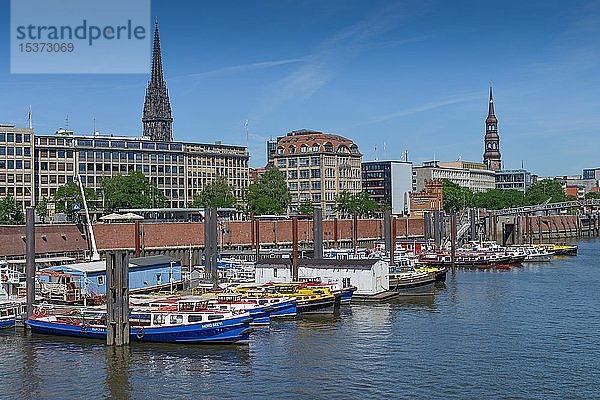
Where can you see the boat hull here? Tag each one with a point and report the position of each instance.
(7, 323)
(413, 287)
(347, 294)
(329, 305)
(231, 331)
(283, 309)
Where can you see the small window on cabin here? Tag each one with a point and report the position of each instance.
(159, 319)
(176, 319)
(158, 279)
(100, 280)
(215, 316)
(194, 318)
(275, 272)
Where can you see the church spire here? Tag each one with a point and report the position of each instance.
(491, 109)
(491, 155)
(157, 72)
(157, 118)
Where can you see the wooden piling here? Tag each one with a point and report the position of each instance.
(30, 259)
(294, 248)
(117, 299)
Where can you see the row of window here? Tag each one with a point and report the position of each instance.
(91, 167)
(15, 164)
(15, 151)
(128, 156)
(122, 144)
(15, 137)
(302, 162)
(304, 174)
(15, 178)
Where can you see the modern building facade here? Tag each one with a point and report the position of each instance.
(472, 175)
(35, 166)
(388, 182)
(491, 157)
(318, 167)
(179, 170)
(518, 179)
(17, 176)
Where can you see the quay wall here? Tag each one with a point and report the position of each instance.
(155, 237)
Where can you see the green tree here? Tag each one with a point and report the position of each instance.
(306, 207)
(131, 191)
(69, 194)
(456, 197)
(11, 212)
(495, 199)
(269, 194)
(544, 190)
(358, 203)
(592, 195)
(41, 208)
(218, 194)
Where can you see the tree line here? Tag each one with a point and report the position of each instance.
(268, 195)
(456, 198)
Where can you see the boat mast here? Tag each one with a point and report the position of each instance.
(95, 255)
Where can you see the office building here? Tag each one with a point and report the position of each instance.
(318, 167)
(389, 183)
(518, 179)
(472, 175)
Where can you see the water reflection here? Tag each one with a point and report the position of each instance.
(118, 359)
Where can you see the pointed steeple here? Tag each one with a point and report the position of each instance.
(491, 155)
(157, 118)
(157, 72)
(491, 109)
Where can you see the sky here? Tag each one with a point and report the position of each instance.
(390, 75)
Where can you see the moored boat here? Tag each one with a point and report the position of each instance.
(409, 282)
(8, 314)
(319, 300)
(150, 325)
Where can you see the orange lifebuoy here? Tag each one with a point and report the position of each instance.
(39, 312)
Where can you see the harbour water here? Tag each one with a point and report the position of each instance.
(528, 333)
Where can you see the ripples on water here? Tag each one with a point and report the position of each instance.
(531, 332)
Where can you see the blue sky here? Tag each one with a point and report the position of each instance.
(393, 76)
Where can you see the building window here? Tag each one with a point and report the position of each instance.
(281, 163)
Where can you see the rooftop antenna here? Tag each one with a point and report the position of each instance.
(375, 150)
(522, 164)
(67, 121)
(94, 126)
(384, 152)
(29, 118)
(246, 129)
(406, 155)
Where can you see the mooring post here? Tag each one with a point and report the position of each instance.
(257, 239)
(453, 240)
(30, 259)
(426, 225)
(137, 239)
(117, 299)
(540, 229)
(335, 232)
(393, 233)
(355, 233)
(294, 249)
(473, 224)
(437, 229)
(317, 233)
(210, 245)
(387, 231)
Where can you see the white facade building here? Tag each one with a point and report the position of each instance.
(370, 276)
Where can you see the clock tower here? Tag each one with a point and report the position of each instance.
(491, 156)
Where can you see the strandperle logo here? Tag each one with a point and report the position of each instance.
(80, 36)
(84, 31)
